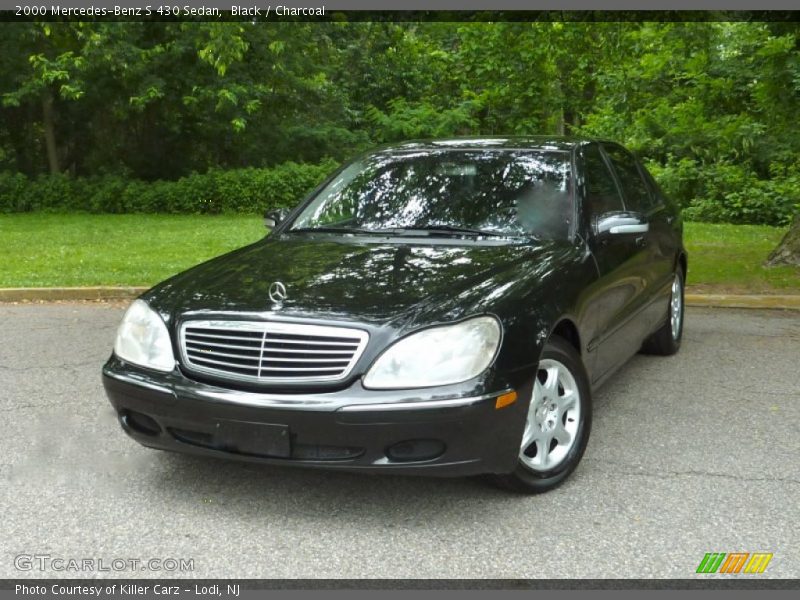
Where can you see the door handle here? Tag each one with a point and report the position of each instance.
(630, 228)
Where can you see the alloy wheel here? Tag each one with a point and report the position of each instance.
(676, 307)
(553, 417)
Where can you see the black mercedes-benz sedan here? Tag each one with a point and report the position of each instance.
(437, 307)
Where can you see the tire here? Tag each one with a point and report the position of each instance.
(667, 340)
(561, 405)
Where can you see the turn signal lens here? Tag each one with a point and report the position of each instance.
(505, 400)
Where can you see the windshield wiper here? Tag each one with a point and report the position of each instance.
(331, 230)
(453, 230)
(449, 230)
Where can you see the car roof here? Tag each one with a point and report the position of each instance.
(539, 142)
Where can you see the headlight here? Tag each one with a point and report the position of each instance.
(437, 356)
(143, 339)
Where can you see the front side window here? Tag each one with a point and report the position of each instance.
(602, 194)
(498, 192)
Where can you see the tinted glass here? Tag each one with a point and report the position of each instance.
(655, 191)
(602, 195)
(637, 196)
(506, 192)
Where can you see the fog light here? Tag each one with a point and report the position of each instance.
(140, 423)
(415, 450)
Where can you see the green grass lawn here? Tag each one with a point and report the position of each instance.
(729, 258)
(41, 250)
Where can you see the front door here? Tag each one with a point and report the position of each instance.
(615, 301)
(659, 252)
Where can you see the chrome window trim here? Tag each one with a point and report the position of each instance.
(271, 327)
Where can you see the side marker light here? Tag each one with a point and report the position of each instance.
(505, 400)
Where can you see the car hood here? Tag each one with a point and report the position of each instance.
(352, 278)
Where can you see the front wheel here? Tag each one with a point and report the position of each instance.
(557, 424)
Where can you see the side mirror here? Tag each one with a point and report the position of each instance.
(274, 217)
(620, 223)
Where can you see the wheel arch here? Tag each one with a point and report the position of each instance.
(566, 328)
(683, 263)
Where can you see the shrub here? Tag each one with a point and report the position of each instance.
(730, 193)
(216, 191)
(13, 192)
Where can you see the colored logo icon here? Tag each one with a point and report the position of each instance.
(734, 562)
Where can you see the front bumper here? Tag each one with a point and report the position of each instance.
(420, 432)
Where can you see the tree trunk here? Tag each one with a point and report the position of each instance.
(50, 132)
(560, 121)
(788, 251)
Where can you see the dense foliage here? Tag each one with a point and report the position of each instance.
(711, 107)
(248, 190)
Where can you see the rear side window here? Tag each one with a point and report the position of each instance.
(655, 191)
(602, 194)
(637, 195)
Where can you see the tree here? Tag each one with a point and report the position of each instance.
(53, 74)
(160, 100)
(788, 251)
(710, 106)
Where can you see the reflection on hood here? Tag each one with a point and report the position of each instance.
(353, 278)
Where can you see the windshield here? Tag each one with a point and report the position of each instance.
(455, 192)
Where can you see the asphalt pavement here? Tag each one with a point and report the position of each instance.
(690, 454)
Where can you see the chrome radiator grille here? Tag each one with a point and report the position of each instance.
(270, 352)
